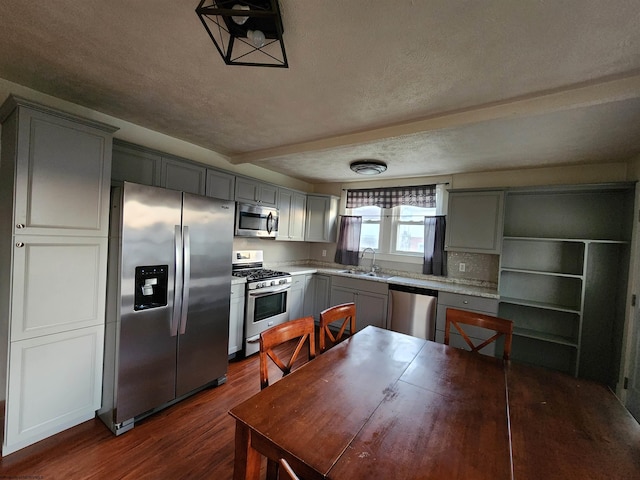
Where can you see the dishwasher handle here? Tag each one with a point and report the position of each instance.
(414, 290)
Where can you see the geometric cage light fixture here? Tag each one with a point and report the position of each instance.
(245, 32)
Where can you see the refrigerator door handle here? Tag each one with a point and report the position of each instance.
(177, 291)
(185, 283)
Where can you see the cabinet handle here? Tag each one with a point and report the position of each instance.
(20, 225)
(465, 302)
(19, 244)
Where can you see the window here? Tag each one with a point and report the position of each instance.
(396, 230)
(393, 218)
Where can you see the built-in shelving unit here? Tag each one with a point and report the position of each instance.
(563, 276)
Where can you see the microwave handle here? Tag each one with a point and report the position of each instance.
(270, 222)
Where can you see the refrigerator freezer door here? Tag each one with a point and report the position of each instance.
(202, 348)
(147, 350)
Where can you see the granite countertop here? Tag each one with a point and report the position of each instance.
(444, 285)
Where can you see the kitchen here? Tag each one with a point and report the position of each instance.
(169, 154)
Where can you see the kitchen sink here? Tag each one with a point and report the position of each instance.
(361, 273)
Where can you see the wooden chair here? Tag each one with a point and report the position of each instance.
(346, 313)
(501, 326)
(288, 472)
(302, 328)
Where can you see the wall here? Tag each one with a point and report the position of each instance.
(481, 267)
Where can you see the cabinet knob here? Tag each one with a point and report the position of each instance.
(20, 225)
(465, 302)
(19, 244)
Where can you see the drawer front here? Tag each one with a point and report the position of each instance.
(468, 302)
(362, 285)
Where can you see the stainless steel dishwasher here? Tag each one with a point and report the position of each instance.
(412, 310)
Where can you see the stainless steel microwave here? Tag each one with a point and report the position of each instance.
(256, 221)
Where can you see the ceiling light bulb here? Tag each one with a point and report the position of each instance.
(256, 37)
(240, 20)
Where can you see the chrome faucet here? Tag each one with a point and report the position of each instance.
(373, 259)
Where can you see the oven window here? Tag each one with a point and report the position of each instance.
(269, 306)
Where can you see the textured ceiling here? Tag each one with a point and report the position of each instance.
(430, 87)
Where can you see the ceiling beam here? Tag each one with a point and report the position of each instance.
(610, 89)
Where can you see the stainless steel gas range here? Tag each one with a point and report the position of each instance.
(267, 296)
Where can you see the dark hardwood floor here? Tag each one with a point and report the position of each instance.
(193, 439)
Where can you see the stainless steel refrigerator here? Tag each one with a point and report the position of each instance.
(169, 286)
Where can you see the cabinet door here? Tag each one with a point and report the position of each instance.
(371, 309)
(59, 284)
(321, 294)
(54, 383)
(474, 222)
(297, 216)
(321, 218)
(183, 176)
(135, 165)
(296, 297)
(236, 318)
(284, 211)
(220, 185)
(291, 208)
(249, 190)
(63, 176)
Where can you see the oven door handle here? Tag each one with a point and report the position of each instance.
(262, 293)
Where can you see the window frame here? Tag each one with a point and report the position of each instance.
(388, 227)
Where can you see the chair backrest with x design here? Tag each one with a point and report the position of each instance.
(302, 328)
(345, 313)
(501, 326)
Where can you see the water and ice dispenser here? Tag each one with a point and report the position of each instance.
(151, 287)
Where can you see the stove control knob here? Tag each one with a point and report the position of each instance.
(283, 281)
(259, 285)
(273, 282)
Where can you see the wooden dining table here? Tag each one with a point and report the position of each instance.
(384, 405)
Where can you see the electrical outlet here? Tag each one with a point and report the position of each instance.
(462, 267)
(324, 253)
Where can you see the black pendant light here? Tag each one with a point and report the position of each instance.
(245, 32)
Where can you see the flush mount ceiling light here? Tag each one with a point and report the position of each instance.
(245, 32)
(368, 167)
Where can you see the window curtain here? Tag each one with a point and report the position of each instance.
(435, 259)
(420, 196)
(348, 240)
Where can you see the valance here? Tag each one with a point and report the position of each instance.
(419, 196)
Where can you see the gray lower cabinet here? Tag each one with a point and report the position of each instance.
(371, 299)
(319, 299)
(54, 184)
(236, 317)
(300, 289)
(488, 306)
(474, 221)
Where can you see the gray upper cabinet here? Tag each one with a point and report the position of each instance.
(61, 166)
(321, 221)
(292, 210)
(220, 185)
(187, 177)
(134, 164)
(249, 190)
(474, 221)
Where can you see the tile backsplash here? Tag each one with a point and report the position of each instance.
(477, 266)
